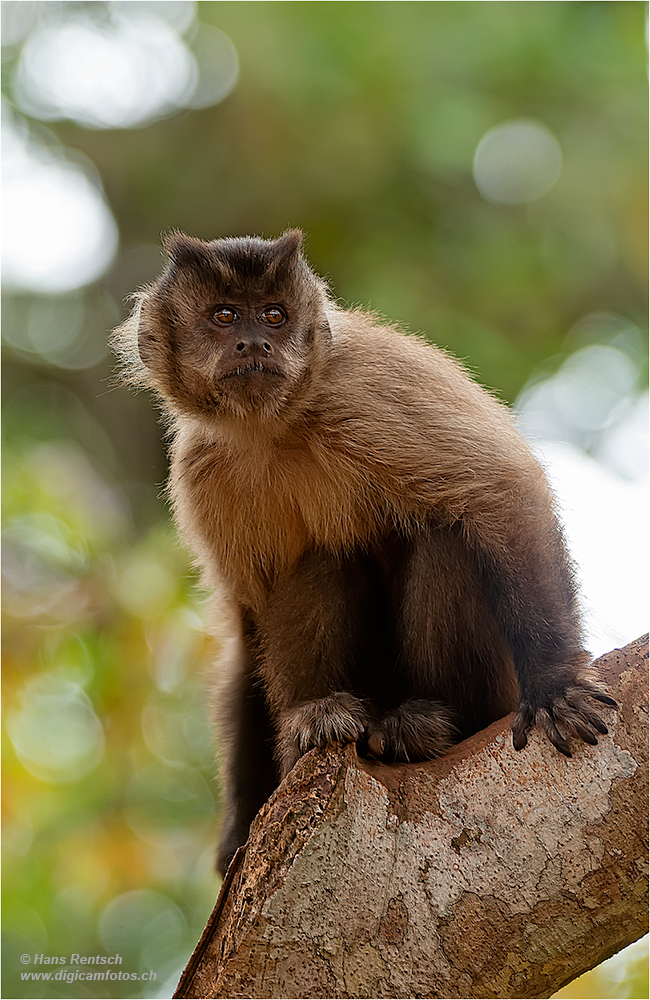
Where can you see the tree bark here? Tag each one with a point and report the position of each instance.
(486, 873)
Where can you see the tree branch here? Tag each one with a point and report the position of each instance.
(486, 873)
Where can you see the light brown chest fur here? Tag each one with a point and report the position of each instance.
(249, 509)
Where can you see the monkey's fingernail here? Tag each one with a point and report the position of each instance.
(561, 745)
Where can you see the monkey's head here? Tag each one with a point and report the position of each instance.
(231, 327)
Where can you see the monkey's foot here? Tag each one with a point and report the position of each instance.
(338, 718)
(416, 730)
(563, 716)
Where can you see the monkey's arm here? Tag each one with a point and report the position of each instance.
(306, 634)
(529, 582)
(533, 592)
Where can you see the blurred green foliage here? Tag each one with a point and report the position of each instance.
(357, 121)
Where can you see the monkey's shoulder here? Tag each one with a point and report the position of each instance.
(371, 360)
(399, 399)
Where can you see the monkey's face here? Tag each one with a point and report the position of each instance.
(231, 326)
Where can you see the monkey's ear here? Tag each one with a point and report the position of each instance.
(186, 251)
(285, 251)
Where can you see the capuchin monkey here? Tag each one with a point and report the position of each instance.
(378, 535)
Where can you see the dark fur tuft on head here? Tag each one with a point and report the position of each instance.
(286, 249)
(241, 260)
(185, 250)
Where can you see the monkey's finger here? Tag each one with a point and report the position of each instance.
(595, 721)
(546, 720)
(586, 689)
(521, 725)
(342, 729)
(601, 696)
(376, 744)
(306, 742)
(581, 704)
(606, 700)
(573, 720)
(584, 732)
(519, 740)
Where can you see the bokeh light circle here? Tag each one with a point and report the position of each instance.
(517, 162)
(105, 75)
(55, 732)
(58, 231)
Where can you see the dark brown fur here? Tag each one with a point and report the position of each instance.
(380, 537)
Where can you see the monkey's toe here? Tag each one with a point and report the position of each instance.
(376, 744)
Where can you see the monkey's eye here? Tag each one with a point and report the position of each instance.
(224, 315)
(273, 316)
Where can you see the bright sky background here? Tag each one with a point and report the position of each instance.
(606, 521)
(588, 424)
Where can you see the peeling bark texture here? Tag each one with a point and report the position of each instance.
(486, 873)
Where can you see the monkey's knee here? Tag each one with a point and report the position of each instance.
(339, 718)
(416, 730)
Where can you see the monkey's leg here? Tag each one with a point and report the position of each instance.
(249, 773)
(310, 640)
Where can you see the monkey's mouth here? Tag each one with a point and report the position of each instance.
(254, 368)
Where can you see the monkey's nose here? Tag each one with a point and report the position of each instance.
(254, 345)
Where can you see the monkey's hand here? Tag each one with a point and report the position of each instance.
(416, 730)
(563, 715)
(338, 718)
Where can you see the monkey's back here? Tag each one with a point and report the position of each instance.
(434, 443)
